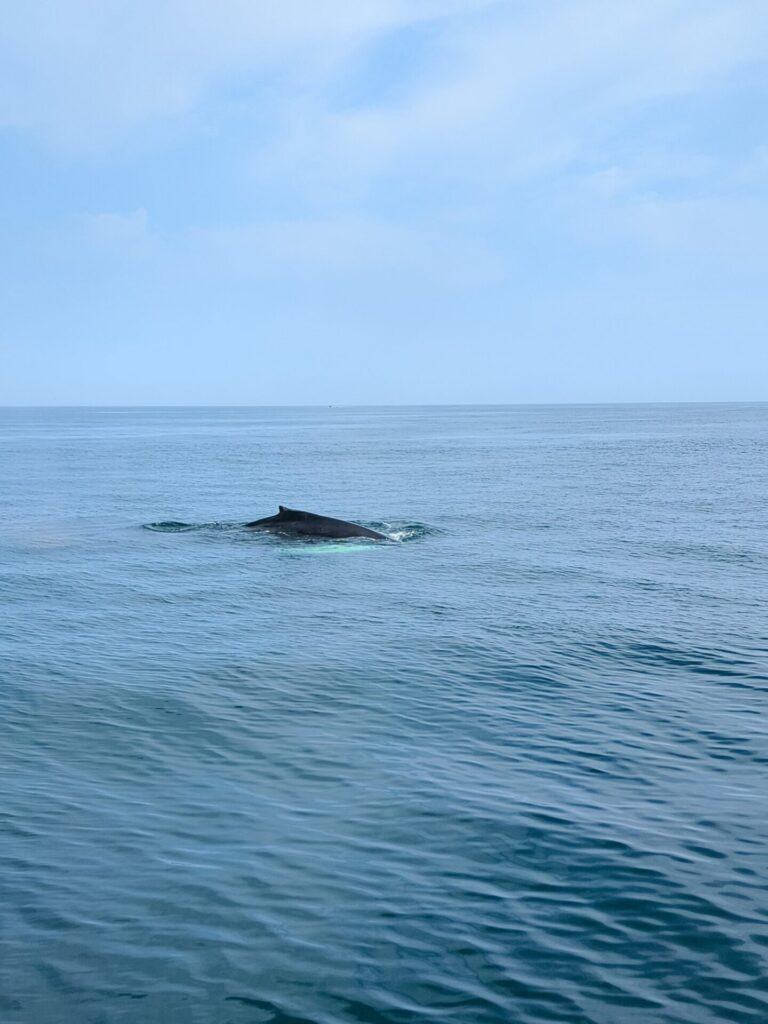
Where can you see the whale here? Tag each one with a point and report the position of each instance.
(292, 521)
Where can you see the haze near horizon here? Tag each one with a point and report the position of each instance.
(397, 201)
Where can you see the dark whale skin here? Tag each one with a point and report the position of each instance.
(308, 524)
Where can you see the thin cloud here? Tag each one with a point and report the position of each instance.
(85, 74)
(517, 91)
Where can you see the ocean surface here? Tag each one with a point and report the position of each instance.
(509, 768)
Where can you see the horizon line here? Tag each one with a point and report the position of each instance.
(394, 405)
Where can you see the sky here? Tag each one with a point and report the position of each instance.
(383, 201)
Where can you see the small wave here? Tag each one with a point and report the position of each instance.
(170, 526)
(174, 526)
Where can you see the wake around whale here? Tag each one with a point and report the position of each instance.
(308, 524)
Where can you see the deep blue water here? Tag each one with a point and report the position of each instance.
(510, 768)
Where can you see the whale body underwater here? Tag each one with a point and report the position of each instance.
(308, 524)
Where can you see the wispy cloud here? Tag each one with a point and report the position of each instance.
(513, 86)
(522, 89)
(337, 251)
(83, 74)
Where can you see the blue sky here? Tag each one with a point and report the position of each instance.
(383, 201)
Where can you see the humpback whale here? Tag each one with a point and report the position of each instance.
(307, 524)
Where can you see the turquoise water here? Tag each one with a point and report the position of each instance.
(510, 767)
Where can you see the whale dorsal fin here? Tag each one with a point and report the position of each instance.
(281, 509)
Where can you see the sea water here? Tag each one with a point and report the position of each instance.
(511, 766)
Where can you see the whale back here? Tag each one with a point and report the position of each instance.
(310, 524)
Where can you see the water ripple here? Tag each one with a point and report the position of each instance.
(513, 771)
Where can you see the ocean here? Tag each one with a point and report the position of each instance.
(509, 768)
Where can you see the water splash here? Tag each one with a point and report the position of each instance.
(400, 531)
